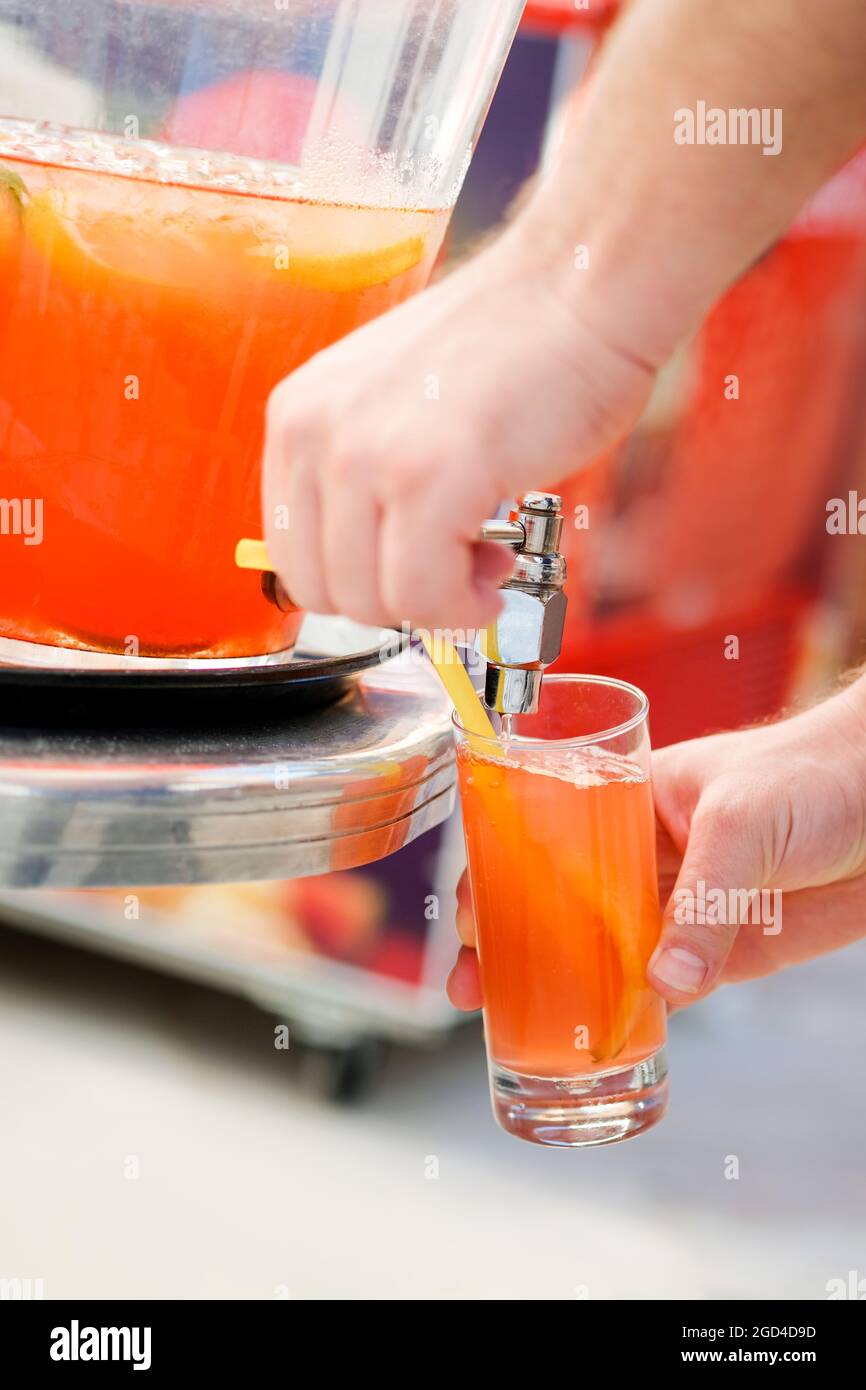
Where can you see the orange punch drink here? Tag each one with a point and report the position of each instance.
(143, 324)
(560, 838)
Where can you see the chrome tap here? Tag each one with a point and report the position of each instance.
(527, 636)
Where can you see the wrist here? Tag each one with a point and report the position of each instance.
(842, 721)
(605, 275)
(853, 698)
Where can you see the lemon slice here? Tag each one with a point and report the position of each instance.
(98, 251)
(56, 237)
(354, 271)
(109, 250)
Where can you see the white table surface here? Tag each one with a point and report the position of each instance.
(250, 1187)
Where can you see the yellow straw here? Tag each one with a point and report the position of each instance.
(461, 691)
(252, 555)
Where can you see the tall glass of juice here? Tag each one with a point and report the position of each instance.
(560, 837)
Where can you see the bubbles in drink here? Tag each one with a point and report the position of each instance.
(581, 765)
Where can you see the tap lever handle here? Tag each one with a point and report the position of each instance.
(506, 532)
(527, 635)
(537, 528)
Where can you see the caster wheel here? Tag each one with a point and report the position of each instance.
(346, 1075)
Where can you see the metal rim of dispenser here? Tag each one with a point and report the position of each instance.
(327, 646)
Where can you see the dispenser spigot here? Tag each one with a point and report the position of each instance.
(527, 636)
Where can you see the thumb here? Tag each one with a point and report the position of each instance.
(722, 864)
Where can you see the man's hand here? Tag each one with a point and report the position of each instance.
(542, 357)
(781, 807)
(386, 489)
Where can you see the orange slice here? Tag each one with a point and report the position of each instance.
(57, 237)
(355, 271)
(621, 1024)
(98, 250)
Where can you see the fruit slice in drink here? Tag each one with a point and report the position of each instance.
(92, 251)
(563, 877)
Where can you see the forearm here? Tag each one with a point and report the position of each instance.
(822, 752)
(667, 225)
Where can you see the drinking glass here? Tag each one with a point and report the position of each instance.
(560, 838)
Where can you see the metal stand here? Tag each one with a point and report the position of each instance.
(269, 797)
